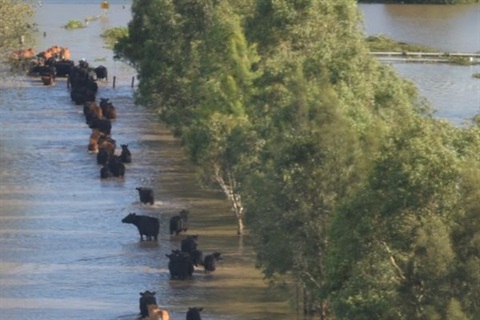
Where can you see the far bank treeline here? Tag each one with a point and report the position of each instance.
(420, 1)
(348, 186)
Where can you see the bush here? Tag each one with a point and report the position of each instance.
(74, 24)
(112, 35)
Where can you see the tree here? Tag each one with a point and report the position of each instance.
(195, 67)
(220, 136)
(405, 217)
(15, 26)
(322, 113)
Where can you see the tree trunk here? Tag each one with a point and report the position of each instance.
(233, 197)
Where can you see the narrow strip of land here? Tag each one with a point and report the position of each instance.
(428, 57)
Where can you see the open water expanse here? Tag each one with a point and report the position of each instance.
(64, 253)
(451, 89)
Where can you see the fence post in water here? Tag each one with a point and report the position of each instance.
(133, 81)
(114, 79)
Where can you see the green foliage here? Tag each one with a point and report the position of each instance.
(112, 35)
(410, 205)
(421, 1)
(347, 183)
(15, 22)
(384, 43)
(74, 24)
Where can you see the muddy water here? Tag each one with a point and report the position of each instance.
(64, 253)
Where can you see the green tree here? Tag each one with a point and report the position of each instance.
(322, 113)
(405, 216)
(195, 67)
(220, 136)
(15, 26)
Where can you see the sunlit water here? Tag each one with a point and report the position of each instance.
(64, 253)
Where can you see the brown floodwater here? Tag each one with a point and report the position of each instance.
(64, 253)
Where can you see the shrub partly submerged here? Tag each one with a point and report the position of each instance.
(74, 24)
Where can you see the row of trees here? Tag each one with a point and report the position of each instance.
(420, 1)
(346, 183)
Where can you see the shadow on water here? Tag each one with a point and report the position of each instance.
(64, 252)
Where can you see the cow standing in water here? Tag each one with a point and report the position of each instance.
(101, 73)
(147, 226)
(126, 155)
(189, 244)
(194, 313)
(180, 265)
(146, 298)
(179, 222)
(210, 261)
(146, 195)
(156, 313)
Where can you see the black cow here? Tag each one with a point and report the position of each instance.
(126, 155)
(63, 67)
(146, 195)
(104, 125)
(179, 222)
(101, 72)
(82, 83)
(102, 156)
(148, 226)
(194, 313)
(146, 298)
(116, 166)
(105, 172)
(209, 263)
(189, 244)
(180, 265)
(197, 258)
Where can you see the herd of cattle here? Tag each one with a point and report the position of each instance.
(82, 84)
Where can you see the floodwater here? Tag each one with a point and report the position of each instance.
(64, 253)
(451, 89)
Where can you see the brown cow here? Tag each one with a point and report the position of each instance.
(94, 138)
(155, 313)
(23, 54)
(48, 80)
(64, 53)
